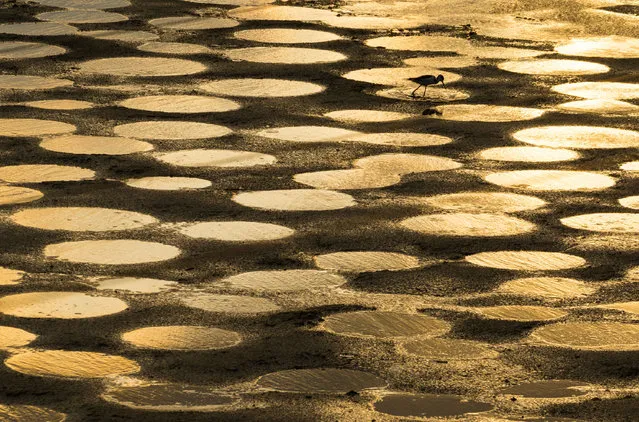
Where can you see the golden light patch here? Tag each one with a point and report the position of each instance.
(526, 260)
(284, 280)
(174, 48)
(95, 145)
(579, 137)
(286, 36)
(182, 337)
(32, 83)
(421, 43)
(81, 16)
(614, 46)
(193, 23)
(551, 180)
(319, 380)
(378, 324)
(553, 67)
(39, 173)
(283, 55)
(222, 158)
(11, 337)
(401, 139)
(347, 179)
(60, 104)
(308, 134)
(229, 304)
(111, 252)
(596, 336)
(235, 231)
(367, 116)
(25, 413)
(171, 130)
(486, 113)
(10, 195)
(185, 104)
(168, 183)
(80, 219)
(484, 202)
(59, 305)
(132, 285)
(366, 261)
(142, 66)
(467, 224)
(397, 76)
(521, 313)
(610, 222)
(529, 154)
(18, 50)
(295, 200)
(600, 90)
(547, 287)
(265, 88)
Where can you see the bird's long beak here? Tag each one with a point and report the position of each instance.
(444, 85)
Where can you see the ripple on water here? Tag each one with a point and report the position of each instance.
(32, 83)
(284, 280)
(366, 261)
(171, 130)
(614, 46)
(286, 36)
(111, 252)
(468, 224)
(547, 389)
(264, 88)
(25, 413)
(579, 137)
(11, 337)
(91, 219)
(526, 260)
(95, 145)
(61, 305)
(10, 195)
(486, 113)
(142, 66)
(193, 23)
(187, 104)
(176, 48)
(308, 134)
(547, 287)
(17, 50)
(610, 222)
(376, 324)
(182, 337)
(283, 55)
(599, 90)
(595, 336)
(551, 180)
(320, 380)
(85, 4)
(81, 16)
(235, 231)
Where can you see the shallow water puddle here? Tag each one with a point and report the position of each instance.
(603, 336)
(406, 163)
(82, 16)
(60, 104)
(33, 127)
(604, 222)
(526, 260)
(132, 285)
(631, 202)
(85, 4)
(551, 180)
(599, 90)
(442, 62)
(294, 200)
(121, 35)
(320, 380)
(579, 137)
(142, 66)
(176, 48)
(221, 158)
(486, 113)
(25, 413)
(80, 219)
(186, 104)
(283, 55)
(375, 324)
(62, 305)
(614, 46)
(347, 179)
(38, 29)
(528, 154)
(520, 313)
(428, 405)
(9, 277)
(366, 261)
(168, 397)
(448, 349)
(17, 50)
(549, 389)
(11, 337)
(430, 95)
(421, 43)
(32, 83)
(467, 224)
(280, 13)
(554, 67)
(111, 252)
(284, 280)
(168, 183)
(547, 287)
(484, 202)
(235, 231)
(401, 139)
(71, 364)
(601, 106)
(286, 36)
(95, 145)
(171, 130)
(397, 76)
(182, 337)
(39, 173)
(367, 116)
(308, 134)
(193, 23)
(229, 304)
(265, 88)
(10, 195)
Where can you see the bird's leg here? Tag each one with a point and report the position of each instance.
(413, 93)
(425, 86)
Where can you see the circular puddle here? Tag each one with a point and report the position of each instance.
(308, 134)
(428, 405)
(81, 16)
(25, 413)
(229, 304)
(235, 231)
(466, 224)
(480, 202)
(405, 163)
(111, 252)
(38, 29)
(401, 139)
(597, 336)
(11, 337)
(131, 285)
(121, 35)
(347, 179)
(579, 137)
(10, 195)
(193, 23)
(599, 90)
(70, 364)
(17, 50)
(85, 4)
(448, 349)
(547, 389)
(176, 48)
(60, 104)
(420, 43)
(168, 397)
(286, 36)
(33, 127)
(182, 337)
(604, 222)
(528, 154)
(631, 202)
(81, 219)
(615, 47)
(486, 113)
(280, 13)
(283, 55)
(222, 158)
(32, 83)
(601, 106)
(171, 130)
(294, 200)
(320, 380)
(263, 88)
(397, 76)
(520, 313)
(526, 260)
(375, 324)
(9, 277)
(367, 116)
(142, 66)
(439, 94)
(95, 145)
(366, 261)
(547, 288)
(168, 183)
(59, 305)
(551, 180)
(442, 62)
(186, 104)
(284, 280)
(39, 173)
(553, 67)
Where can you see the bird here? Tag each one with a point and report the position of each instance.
(426, 80)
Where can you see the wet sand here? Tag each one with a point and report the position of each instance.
(448, 330)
